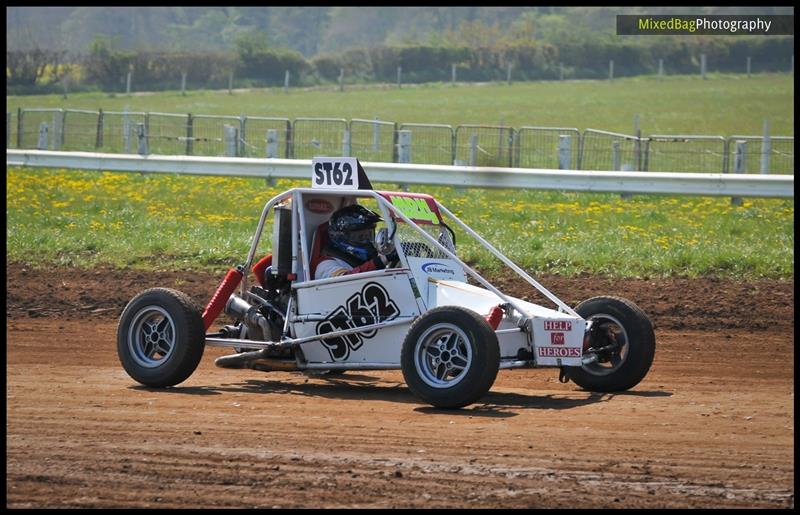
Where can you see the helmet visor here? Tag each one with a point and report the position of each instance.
(361, 236)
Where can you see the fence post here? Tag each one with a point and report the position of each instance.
(703, 65)
(230, 83)
(399, 76)
(240, 143)
(616, 164)
(346, 142)
(611, 69)
(564, 151)
(141, 134)
(230, 137)
(126, 131)
(508, 74)
(189, 134)
(341, 79)
(766, 149)
(286, 82)
(473, 149)
(272, 143)
(19, 127)
(183, 84)
(660, 69)
(404, 151)
(42, 143)
(453, 74)
(637, 145)
(128, 84)
(98, 142)
(739, 165)
(58, 129)
(748, 67)
(376, 134)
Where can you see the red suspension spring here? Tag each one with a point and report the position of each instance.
(221, 296)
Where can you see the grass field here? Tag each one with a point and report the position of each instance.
(181, 222)
(721, 105)
(145, 221)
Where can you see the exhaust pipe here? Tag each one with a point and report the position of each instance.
(257, 360)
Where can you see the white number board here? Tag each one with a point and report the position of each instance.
(338, 173)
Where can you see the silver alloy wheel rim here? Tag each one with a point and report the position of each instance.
(443, 356)
(151, 337)
(620, 355)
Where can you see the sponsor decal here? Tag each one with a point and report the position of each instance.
(369, 306)
(437, 268)
(556, 338)
(557, 325)
(416, 208)
(319, 205)
(559, 352)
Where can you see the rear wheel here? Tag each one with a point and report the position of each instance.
(450, 357)
(622, 339)
(160, 337)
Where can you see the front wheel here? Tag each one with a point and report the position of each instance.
(622, 340)
(160, 337)
(450, 357)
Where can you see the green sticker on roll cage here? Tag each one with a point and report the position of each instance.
(415, 208)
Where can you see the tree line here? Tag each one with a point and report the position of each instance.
(254, 62)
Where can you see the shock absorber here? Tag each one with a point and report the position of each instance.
(220, 297)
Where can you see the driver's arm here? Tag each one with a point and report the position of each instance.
(329, 268)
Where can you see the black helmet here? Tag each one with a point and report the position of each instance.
(352, 230)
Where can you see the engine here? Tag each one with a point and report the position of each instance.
(262, 320)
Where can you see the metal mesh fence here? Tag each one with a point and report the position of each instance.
(11, 130)
(376, 140)
(208, 134)
(602, 150)
(781, 154)
(692, 154)
(31, 122)
(373, 140)
(119, 132)
(431, 143)
(254, 137)
(484, 145)
(79, 130)
(167, 133)
(542, 147)
(313, 137)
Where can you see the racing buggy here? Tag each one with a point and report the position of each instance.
(431, 315)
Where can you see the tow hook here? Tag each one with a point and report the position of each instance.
(562, 375)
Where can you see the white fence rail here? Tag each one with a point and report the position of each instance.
(740, 185)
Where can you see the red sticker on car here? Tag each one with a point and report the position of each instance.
(319, 206)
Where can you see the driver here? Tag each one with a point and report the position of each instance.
(351, 248)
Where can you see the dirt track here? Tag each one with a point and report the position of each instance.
(712, 425)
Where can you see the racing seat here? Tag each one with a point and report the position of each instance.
(318, 242)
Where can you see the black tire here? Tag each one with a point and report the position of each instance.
(620, 320)
(160, 337)
(450, 357)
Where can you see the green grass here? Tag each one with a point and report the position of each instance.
(173, 222)
(721, 105)
(156, 221)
